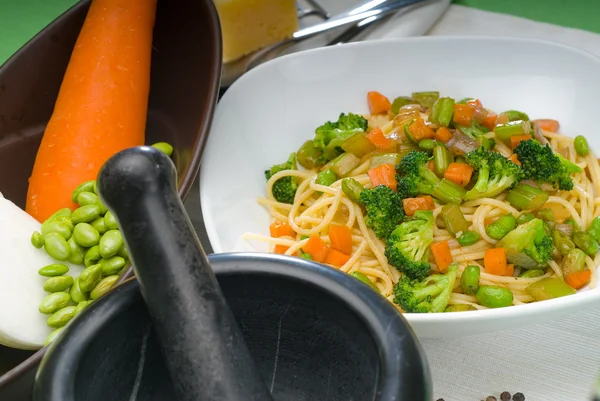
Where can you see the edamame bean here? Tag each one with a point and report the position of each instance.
(56, 246)
(103, 286)
(469, 280)
(53, 336)
(86, 235)
(99, 225)
(61, 317)
(103, 209)
(427, 144)
(493, 296)
(112, 265)
(123, 252)
(76, 294)
(53, 270)
(546, 214)
(96, 188)
(87, 198)
(585, 242)
(53, 302)
(90, 277)
(164, 147)
(581, 145)
(87, 186)
(85, 214)
(92, 256)
(532, 273)
(499, 228)
(77, 252)
(57, 284)
(460, 308)
(593, 230)
(468, 238)
(110, 243)
(58, 226)
(64, 212)
(110, 221)
(562, 242)
(37, 240)
(81, 306)
(525, 218)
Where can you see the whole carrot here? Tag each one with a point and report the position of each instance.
(102, 104)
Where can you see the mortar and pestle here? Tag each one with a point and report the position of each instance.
(230, 327)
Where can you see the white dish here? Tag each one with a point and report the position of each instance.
(273, 109)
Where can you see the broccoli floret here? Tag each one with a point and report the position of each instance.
(429, 295)
(528, 246)
(330, 136)
(408, 247)
(495, 173)
(384, 209)
(284, 189)
(539, 163)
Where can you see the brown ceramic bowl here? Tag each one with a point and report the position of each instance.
(186, 68)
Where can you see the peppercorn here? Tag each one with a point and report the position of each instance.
(491, 398)
(505, 396)
(440, 399)
(518, 397)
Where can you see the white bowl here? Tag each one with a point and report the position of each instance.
(273, 109)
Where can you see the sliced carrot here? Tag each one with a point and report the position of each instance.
(494, 261)
(547, 124)
(442, 255)
(384, 174)
(515, 159)
(459, 173)
(316, 248)
(281, 249)
(336, 258)
(420, 130)
(378, 139)
(578, 279)
(490, 121)
(378, 104)
(515, 140)
(476, 103)
(281, 229)
(510, 270)
(341, 238)
(443, 134)
(102, 104)
(463, 114)
(411, 205)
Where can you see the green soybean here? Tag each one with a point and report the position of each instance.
(64, 212)
(460, 308)
(468, 238)
(493, 296)
(76, 294)
(585, 242)
(77, 256)
(87, 198)
(525, 218)
(37, 240)
(61, 317)
(53, 302)
(57, 284)
(59, 226)
(110, 243)
(85, 214)
(427, 144)
(53, 336)
(112, 265)
(499, 228)
(164, 147)
(99, 225)
(593, 230)
(90, 277)
(123, 252)
(53, 270)
(103, 286)
(86, 235)
(56, 246)
(532, 273)
(110, 221)
(87, 186)
(92, 256)
(103, 209)
(469, 280)
(96, 188)
(81, 306)
(581, 145)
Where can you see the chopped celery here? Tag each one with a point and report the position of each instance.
(569, 165)
(512, 128)
(514, 115)
(477, 131)
(364, 279)
(309, 155)
(352, 189)
(343, 164)
(358, 144)
(594, 228)
(460, 308)
(524, 218)
(573, 262)
(454, 219)
(442, 158)
(532, 273)
(563, 243)
(326, 177)
(549, 288)
(384, 158)
(465, 100)
(449, 192)
(499, 228)
(401, 101)
(585, 242)
(527, 197)
(546, 214)
(410, 137)
(441, 111)
(426, 99)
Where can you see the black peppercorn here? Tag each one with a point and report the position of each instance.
(491, 398)
(505, 396)
(518, 397)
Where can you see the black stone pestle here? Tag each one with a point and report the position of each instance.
(202, 344)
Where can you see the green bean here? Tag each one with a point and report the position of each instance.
(361, 277)
(493, 296)
(460, 308)
(427, 144)
(53, 302)
(61, 317)
(86, 235)
(326, 177)
(37, 240)
(112, 265)
(581, 145)
(532, 273)
(81, 306)
(53, 336)
(468, 238)
(123, 252)
(90, 277)
(87, 198)
(56, 246)
(562, 242)
(573, 262)
(85, 214)
(164, 147)
(594, 228)
(76, 294)
(77, 255)
(469, 280)
(99, 225)
(103, 286)
(87, 186)
(92, 256)
(110, 243)
(57, 284)
(585, 242)
(110, 221)
(352, 189)
(525, 218)
(53, 270)
(499, 228)
(546, 214)
(58, 226)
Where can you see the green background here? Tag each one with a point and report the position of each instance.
(20, 20)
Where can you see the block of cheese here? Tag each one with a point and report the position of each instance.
(248, 25)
